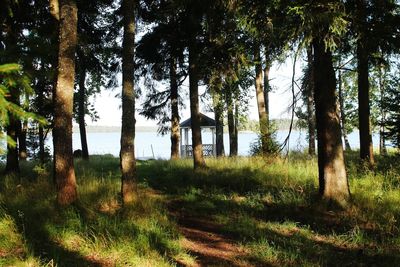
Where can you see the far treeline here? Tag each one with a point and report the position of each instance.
(56, 55)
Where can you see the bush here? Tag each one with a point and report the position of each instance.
(272, 144)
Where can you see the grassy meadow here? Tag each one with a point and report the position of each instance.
(268, 207)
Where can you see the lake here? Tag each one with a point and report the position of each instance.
(108, 143)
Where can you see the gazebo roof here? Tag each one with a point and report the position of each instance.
(204, 122)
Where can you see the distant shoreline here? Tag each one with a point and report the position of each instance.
(114, 129)
(117, 129)
(146, 129)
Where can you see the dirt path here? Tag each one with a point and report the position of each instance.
(211, 248)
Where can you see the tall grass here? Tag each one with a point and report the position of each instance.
(272, 208)
(96, 231)
(269, 206)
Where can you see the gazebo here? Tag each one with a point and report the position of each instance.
(205, 123)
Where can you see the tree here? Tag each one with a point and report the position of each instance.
(231, 103)
(343, 117)
(307, 117)
(12, 77)
(127, 153)
(64, 172)
(322, 24)
(332, 173)
(96, 62)
(194, 22)
(262, 114)
(366, 147)
(310, 103)
(215, 88)
(161, 57)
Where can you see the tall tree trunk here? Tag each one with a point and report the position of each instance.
(333, 183)
(382, 139)
(127, 154)
(262, 115)
(218, 105)
(81, 111)
(198, 157)
(231, 123)
(310, 104)
(64, 172)
(23, 154)
(343, 113)
(267, 87)
(366, 148)
(12, 160)
(40, 97)
(175, 135)
(235, 128)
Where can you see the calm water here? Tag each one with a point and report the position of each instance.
(148, 142)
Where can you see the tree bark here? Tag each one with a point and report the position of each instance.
(198, 158)
(231, 123)
(333, 183)
(235, 128)
(13, 127)
(310, 104)
(382, 139)
(127, 153)
(175, 135)
(267, 87)
(366, 148)
(343, 114)
(262, 115)
(40, 97)
(218, 105)
(12, 160)
(81, 111)
(64, 172)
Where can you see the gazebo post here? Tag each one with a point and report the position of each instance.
(186, 141)
(213, 140)
(180, 141)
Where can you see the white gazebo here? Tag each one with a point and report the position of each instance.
(205, 123)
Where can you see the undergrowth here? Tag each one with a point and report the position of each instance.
(269, 206)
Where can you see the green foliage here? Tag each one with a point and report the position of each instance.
(322, 19)
(11, 78)
(272, 144)
(391, 106)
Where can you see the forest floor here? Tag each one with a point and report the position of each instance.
(206, 241)
(237, 212)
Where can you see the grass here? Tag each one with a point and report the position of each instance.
(267, 206)
(96, 231)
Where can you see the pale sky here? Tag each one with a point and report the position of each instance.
(108, 106)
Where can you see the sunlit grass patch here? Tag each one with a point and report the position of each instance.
(274, 203)
(97, 229)
(13, 249)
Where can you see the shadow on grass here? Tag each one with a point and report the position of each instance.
(44, 225)
(32, 224)
(234, 196)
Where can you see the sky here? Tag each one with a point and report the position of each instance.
(109, 110)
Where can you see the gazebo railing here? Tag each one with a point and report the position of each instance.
(208, 150)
